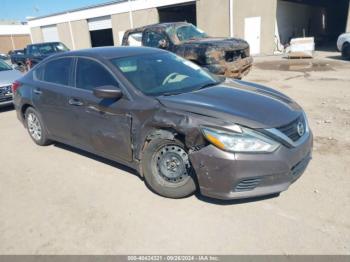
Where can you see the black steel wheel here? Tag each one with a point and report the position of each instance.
(172, 164)
(167, 169)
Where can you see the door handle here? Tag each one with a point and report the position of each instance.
(75, 102)
(37, 91)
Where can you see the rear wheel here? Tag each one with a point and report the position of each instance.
(36, 128)
(346, 50)
(167, 169)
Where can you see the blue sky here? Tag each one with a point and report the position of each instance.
(20, 9)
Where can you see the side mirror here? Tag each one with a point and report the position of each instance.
(110, 92)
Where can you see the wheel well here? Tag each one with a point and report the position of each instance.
(24, 109)
(195, 61)
(169, 134)
(164, 134)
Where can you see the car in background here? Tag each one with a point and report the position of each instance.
(15, 54)
(343, 45)
(222, 56)
(179, 126)
(34, 53)
(3, 56)
(7, 76)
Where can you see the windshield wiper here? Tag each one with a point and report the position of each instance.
(172, 93)
(201, 87)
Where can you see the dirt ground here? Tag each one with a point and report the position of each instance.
(57, 200)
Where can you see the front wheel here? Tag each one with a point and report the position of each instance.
(36, 127)
(167, 169)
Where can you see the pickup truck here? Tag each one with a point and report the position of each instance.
(229, 57)
(34, 53)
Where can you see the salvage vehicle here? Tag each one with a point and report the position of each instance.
(222, 56)
(34, 53)
(343, 45)
(7, 76)
(179, 126)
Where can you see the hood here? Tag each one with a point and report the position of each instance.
(240, 102)
(9, 76)
(221, 43)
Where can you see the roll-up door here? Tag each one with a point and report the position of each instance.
(50, 33)
(101, 32)
(100, 23)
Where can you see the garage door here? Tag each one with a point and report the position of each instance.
(99, 23)
(50, 33)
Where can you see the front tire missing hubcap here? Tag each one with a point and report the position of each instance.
(172, 163)
(167, 168)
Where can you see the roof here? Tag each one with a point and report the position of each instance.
(162, 25)
(101, 10)
(112, 52)
(46, 43)
(78, 9)
(14, 30)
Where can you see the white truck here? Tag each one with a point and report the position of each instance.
(343, 44)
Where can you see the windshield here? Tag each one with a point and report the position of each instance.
(4, 66)
(189, 32)
(48, 48)
(163, 74)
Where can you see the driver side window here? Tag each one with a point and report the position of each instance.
(151, 39)
(91, 74)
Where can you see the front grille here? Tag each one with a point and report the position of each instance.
(291, 129)
(5, 90)
(231, 56)
(5, 99)
(247, 184)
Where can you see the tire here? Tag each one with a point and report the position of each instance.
(36, 128)
(346, 51)
(167, 169)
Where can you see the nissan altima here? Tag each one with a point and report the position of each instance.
(180, 127)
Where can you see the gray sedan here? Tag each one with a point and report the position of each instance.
(180, 127)
(7, 76)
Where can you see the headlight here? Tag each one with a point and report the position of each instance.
(241, 139)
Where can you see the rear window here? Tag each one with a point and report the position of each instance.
(56, 71)
(4, 66)
(152, 39)
(49, 48)
(135, 39)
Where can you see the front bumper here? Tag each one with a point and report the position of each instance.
(6, 101)
(237, 69)
(225, 175)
